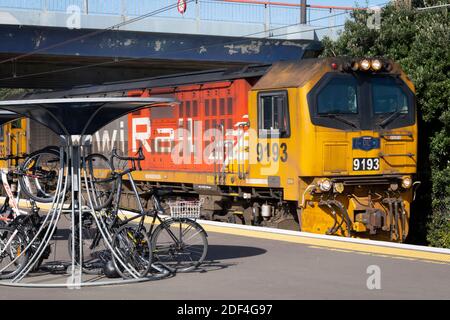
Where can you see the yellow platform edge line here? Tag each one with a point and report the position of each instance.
(407, 253)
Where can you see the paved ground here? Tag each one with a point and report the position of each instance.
(253, 268)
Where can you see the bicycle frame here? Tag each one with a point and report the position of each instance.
(142, 212)
(10, 199)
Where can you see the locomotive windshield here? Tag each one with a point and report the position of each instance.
(388, 97)
(361, 102)
(338, 97)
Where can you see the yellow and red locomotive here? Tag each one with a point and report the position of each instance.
(319, 145)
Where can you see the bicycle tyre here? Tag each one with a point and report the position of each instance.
(24, 181)
(122, 244)
(20, 264)
(165, 250)
(100, 198)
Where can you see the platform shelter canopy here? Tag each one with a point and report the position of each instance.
(79, 116)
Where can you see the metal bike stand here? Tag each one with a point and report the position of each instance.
(74, 119)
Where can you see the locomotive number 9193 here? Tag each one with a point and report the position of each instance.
(366, 164)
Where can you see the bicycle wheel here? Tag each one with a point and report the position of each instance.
(180, 244)
(39, 175)
(132, 245)
(12, 244)
(101, 181)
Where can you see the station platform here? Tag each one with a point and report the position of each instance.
(260, 263)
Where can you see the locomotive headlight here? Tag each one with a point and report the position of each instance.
(325, 185)
(339, 187)
(406, 182)
(355, 65)
(365, 65)
(376, 65)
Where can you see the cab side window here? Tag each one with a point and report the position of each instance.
(273, 115)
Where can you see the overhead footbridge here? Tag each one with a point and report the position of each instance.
(62, 44)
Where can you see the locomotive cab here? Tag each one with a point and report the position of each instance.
(344, 135)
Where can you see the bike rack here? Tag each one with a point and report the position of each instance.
(73, 119)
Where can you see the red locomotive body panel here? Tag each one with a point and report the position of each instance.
(178, 137)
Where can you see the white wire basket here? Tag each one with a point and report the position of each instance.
(185, 209)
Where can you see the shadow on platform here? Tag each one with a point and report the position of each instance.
(224, 252)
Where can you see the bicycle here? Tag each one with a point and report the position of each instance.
(19, 240)
(22, 232)
(169, 238)
(38, 176)
(178, 243)
(130, 242)
(9, 177)
(18, 226)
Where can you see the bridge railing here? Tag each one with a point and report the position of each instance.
(243, 11)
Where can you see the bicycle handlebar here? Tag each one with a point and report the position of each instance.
(138, 159)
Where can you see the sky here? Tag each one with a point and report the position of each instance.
(320, 17)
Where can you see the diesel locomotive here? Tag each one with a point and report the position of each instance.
(323, 145)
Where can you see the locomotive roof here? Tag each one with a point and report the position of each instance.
(290, 74)
(295, 74)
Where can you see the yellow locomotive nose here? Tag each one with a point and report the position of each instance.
(352, 145)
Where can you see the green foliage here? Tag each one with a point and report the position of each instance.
(420, 42)
(439, 226)
(10, 93)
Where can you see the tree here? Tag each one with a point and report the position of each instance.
(11, 93)
(420, 41)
